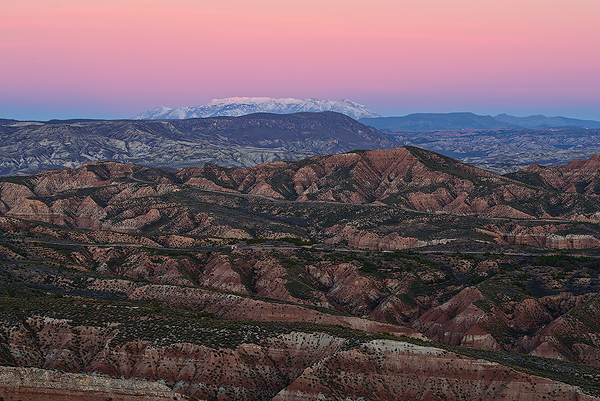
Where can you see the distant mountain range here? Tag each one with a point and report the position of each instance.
(502, 144)
(239, 106)
(540, 121)
(459, 121)
(29, 147)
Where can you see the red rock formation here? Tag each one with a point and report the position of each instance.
(404, 174)
(385, 370)
(573, 334)
(11, 195)
(541, 327)
(91, 174)
(345, 286)
(569, 241)
(562, 303)
(270, 278)
(248, 372)
(408, 178)
(288, 366)
(458, 322)
(240, 308)
(219, 274)
(577, 176)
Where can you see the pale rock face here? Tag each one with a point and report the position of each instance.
(542, 236)
(48, 385)
(386, 370)
(239, 106)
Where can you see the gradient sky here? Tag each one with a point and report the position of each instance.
(115, 59)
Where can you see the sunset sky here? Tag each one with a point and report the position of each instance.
(115, 59)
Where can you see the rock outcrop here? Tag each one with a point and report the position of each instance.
(569, 241)
(576, 177)
(240, 308)
(418, 373)
(406, 176)
(538, 327)
(32, 384)
(458, 322)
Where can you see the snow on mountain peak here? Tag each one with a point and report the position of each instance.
(239, 106)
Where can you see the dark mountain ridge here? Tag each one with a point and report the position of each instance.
(229, 141)
(29, 147)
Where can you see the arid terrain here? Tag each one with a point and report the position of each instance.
(380, 275)
(505, 150)
(29, 146)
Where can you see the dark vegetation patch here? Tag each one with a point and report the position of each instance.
(530, 178)
(300, 284)
(439, 162)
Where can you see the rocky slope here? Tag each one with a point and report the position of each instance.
(533, 326)
(210, 344)
(279, 366)
(383, 200)
(542, 305)
(420, 373)
(576, 177)
(407, 177)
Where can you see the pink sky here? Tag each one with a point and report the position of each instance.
(114, 59)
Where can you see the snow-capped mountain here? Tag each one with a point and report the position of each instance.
(239, 106)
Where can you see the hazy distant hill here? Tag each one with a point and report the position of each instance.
(436, 121)
(239, 106)
(456, 121)
(540, 121)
